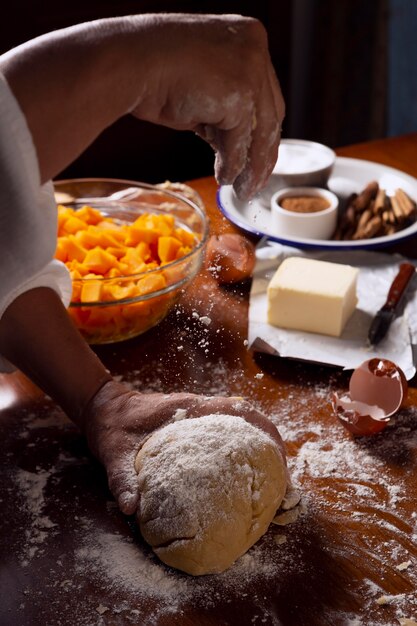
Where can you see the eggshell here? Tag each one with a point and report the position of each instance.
(230, 257)
(377, 389)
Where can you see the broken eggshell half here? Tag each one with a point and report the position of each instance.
(377, 389)
(230, 258)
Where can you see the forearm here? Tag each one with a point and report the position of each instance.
(210, 74)
(38, 337)
(73, 83)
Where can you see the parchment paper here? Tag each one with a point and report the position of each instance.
(377, 270)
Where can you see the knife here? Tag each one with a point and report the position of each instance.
(382, 320)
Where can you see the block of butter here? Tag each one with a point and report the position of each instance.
(313, 296)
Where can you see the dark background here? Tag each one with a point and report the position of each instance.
(334, 60)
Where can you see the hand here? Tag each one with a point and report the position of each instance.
(213, 75)
(118, 421)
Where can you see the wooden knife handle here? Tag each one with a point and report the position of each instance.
(399, 285)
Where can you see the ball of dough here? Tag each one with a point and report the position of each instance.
(209, 488)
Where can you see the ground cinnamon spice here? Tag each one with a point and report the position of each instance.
(304, 204)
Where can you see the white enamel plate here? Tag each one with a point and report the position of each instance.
(348, 176)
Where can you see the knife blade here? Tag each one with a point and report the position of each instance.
(384, 317)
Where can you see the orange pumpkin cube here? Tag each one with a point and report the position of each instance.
(99, 261)
(61, 251)
(182, 251)
(89, 215)
(152, 282)
(73, 224)
(89, 238)
(143, 251)
(187, 239)
(168, 248)
(118, 292)
(138, 234)
(74, 249)
(91, 291)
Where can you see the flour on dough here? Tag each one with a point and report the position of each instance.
(209, 488)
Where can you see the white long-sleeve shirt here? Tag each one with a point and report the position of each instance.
(28, 215)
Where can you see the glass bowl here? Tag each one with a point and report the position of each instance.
(121, 303)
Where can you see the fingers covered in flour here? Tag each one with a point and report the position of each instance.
(268, 114)
(213, 74)
(122, 481)
(247, 151)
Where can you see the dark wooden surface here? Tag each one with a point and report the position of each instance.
(68, 557)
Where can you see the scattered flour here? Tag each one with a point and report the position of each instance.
(347, 481)
(32, 486)
(180, 414)
(390, 599)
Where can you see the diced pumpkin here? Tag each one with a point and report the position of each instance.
(118, 292)
(107, 240)
(75, 274)
(62, 218)
(118, 231)
(91, 291)
(73, 224)
(103, 316)
(74, 249)
(89, 238)
(89, 215)
(75, 265)
(136, 309)
(153, 282)
(182, 251)
(94, 246)
(114, 272)
(76, 290)
(136, 234)
(144, 251)
(163, 224)
(99, 261)
(118, 253)
(61, 251)
(133, 261)
(168, 248)
(187, 239)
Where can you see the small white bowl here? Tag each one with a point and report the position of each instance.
(307, 225)
(300, 163)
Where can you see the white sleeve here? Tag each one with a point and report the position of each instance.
(28, 215)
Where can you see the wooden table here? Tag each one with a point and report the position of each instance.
(69, 557)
